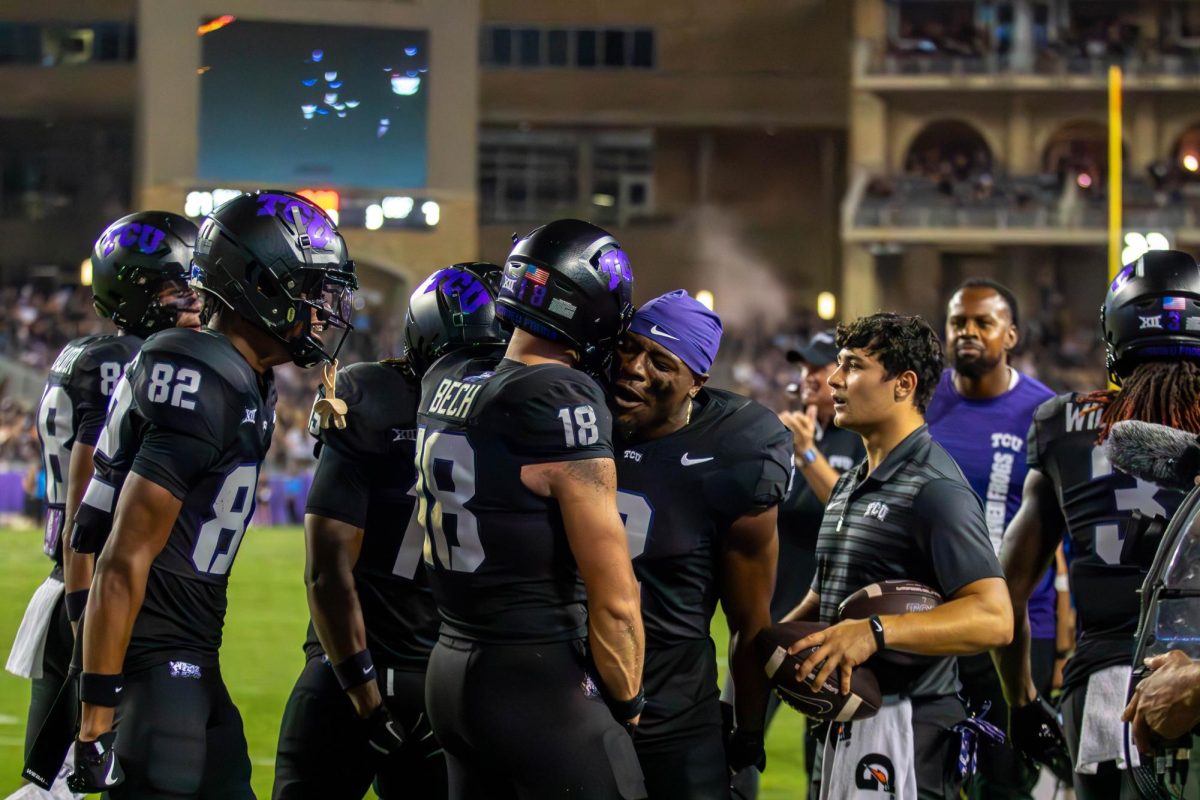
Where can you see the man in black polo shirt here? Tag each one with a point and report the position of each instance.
(907, 512)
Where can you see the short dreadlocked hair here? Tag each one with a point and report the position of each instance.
(900, 343)
(1165, 392)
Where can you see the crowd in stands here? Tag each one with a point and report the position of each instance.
(35, 324)
(960, 39)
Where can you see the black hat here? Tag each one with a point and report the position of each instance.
(821, 350)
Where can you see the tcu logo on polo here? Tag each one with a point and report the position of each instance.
(878, 510)
(147, 238)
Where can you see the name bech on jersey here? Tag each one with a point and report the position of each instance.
(453, 398)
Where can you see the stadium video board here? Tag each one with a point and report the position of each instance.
(328, 105)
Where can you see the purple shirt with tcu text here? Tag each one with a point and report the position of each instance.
(987, 439)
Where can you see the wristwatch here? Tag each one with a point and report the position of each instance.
(808, 457)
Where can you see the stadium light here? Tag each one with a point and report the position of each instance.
(705, 298)
(215, 24)
(198, 204)
(397, 207)
(85, 272)
(432, 212)
(1191, 163)
(827, 305)
(1137, 244)
(374, 217)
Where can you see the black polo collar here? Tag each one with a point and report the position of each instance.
(901, 454)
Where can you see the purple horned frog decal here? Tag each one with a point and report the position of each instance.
(472, 294)
(320, 232)
(146, 238)
(615, 264)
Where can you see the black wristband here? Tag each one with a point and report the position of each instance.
(624, 710)
(877, 632)
(75, 602)
(101, 690)
(355, 670)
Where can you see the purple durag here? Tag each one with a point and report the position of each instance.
(681, 324)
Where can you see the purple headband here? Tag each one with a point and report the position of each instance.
(680, 324)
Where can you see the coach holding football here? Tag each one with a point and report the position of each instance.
(906, 512)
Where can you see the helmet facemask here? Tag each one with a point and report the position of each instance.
(324, 303)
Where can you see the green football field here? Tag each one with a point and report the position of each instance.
(262, 657)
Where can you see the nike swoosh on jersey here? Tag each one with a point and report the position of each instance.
(687, 462)
(110, 779)
(657, 331)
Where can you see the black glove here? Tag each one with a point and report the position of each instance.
(1034, 732)
(421, 736)
(96, 766)
(745, 749)
(383, 733)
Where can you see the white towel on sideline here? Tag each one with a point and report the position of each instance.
(1102, 735)
(871, 756)
(25, 659)
(58, 790)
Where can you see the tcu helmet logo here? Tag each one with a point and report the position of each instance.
(147, 238)
(319, 231)
(875, 772)
(471, 292)
(615, 264)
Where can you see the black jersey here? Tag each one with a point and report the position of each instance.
(678, 496)
(72, 410)
(1096, 503)
(365, 477)
(502, 567)
(192, 416)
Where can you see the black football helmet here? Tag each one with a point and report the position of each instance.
(570, 282)
(132, 260)
(1152, 312)
(276, 259)
(452, 308)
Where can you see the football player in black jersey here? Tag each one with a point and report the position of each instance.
(1152, 335)
(177, 466)
(374, 621)
(140, 266)
(539, 658)
(700, 475)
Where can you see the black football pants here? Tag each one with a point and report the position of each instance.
(524, 721)
(323, 752)
(680, 743)
(179, 735)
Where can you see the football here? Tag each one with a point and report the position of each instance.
(899, 596)
(825, 702)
